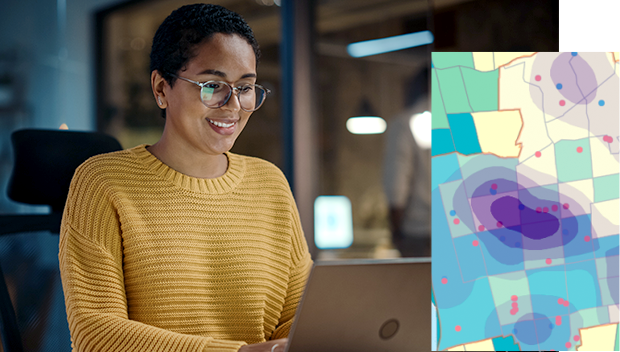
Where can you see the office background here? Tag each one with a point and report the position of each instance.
(84, 63)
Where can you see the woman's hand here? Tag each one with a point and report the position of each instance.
(266, 346)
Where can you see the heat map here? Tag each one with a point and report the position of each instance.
(525, 201)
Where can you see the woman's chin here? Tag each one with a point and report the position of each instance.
(222, 147)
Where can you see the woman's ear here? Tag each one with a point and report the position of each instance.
(157, 84)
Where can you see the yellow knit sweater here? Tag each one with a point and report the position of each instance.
(154, 260)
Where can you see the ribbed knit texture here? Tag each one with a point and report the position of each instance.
(154, 260)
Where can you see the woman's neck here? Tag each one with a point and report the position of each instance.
(189, 161)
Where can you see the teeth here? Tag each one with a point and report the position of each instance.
(221, 124)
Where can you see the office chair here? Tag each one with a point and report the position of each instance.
(44, 163)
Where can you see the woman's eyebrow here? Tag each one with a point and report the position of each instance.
(223, 75)
(213, 72)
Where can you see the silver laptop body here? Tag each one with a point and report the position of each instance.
(365, 305)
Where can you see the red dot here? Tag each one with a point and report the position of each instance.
(576, 337)
(587, 238)
(548, 261)
(554, 207)
(514, 311)
(499, 224)
(515, 305)
(562, 103)
(481, 228)
(444, 281)
(607, 139)
(494, 186)
(558, 320)
(457, 328)
(545, 210)
(456, 221)
(538, 209)
(475, 243)
(514, 297)
(579, 149)
(565, 303)
(568, 344)
(560, 300)
(537, 77)
(565, 205)
(538, 154)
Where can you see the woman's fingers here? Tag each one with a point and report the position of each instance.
(269, 346)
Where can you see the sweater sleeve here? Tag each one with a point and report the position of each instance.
(91, 268)
(302, 263)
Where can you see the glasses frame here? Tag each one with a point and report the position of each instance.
(232, 89)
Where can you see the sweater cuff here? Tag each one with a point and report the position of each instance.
(216, 345)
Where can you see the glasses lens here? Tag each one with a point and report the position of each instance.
(214, 94)
(251, 97)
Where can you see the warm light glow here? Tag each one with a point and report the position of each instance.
(333, 222)
(63, 127)
(366, 125)
(420, 125)
(386, 45)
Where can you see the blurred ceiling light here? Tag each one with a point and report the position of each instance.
(366, 125)
(386, 45)
(366, 120)
(420, 125)
(278, 2)
(63, 127)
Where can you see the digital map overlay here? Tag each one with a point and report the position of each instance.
(525, 201)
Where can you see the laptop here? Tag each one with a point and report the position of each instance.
(365, 305)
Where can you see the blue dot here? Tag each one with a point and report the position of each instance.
(521, 206)
(493, 192)
(574, 53)
(518, 244)
(551, 326)
(502, 238)
(601, 102)
(558, 86)
(452, 212)
(565, 232)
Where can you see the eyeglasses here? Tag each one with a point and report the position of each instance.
(215, 94)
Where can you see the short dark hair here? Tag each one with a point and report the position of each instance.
(188, 26)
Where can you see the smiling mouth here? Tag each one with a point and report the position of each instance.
(222, 124)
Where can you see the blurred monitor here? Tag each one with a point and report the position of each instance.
(333, 222)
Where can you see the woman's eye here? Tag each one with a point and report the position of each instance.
(246, 89)
(212, 85)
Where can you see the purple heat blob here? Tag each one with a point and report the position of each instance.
(506, 209)
(576, 76)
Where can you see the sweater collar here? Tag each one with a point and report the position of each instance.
(218, 185)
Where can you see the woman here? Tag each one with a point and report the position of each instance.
(182, 245)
